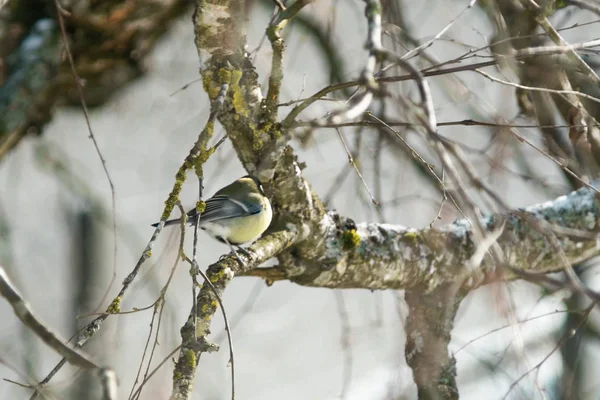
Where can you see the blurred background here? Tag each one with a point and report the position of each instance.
(290, 342)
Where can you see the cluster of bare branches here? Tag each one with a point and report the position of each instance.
(554, 83)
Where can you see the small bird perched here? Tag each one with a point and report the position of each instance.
(236, 214)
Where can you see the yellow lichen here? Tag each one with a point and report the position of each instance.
(224, 76)
(257, 143)
(115, 306)
(236, 75)
(412, 236)
(206, 308)
(189, 358)
(237, 98)
(211, 87)
(216, 276)
(350, 239)
(204, 155)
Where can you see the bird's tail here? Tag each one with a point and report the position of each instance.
(169, 222)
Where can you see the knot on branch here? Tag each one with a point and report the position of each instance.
(204, 346)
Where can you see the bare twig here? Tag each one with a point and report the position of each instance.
(355, 167)
(72, 355)
(538, 89)
(559, 343)
(63, 31)
(289, 120)
(362, 101)
(428, 43)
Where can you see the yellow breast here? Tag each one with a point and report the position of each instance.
(247, 229)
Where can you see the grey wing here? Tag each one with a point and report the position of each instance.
(223, 207)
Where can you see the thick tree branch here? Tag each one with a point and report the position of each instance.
(261, 147)
(384, 256)
(428, 325)
(327, 250)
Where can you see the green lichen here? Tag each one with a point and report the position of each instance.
(177, 375)
(205, 154)
(211, 87)
(115, 306)
(411, 236)
(257, 143)
(202, 35)
(236, 76)
(217, 276)
(180, 178)
(208, 308)
(350, 239)
(237, 95)
(224, 75)
(276, 131)
(189, 358)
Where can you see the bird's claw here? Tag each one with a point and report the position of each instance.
(244, 251)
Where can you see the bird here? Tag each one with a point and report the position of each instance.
(236, 214)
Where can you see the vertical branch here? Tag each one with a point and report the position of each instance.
(572, 379)
(87, 276)
(428, 325)
(277, 44)
(274, 33)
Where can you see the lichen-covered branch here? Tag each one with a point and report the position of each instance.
(251, 126)
(277, 44)
(195, 338)
(384, 256)
(328, 250)
(260, 143)
(428, 326)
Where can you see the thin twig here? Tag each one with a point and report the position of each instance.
(559, 343)
(94, 327)
(428, 43)
(538, 89)
(151, 374)
(289, 120)
(355, 167)
(63, 31)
